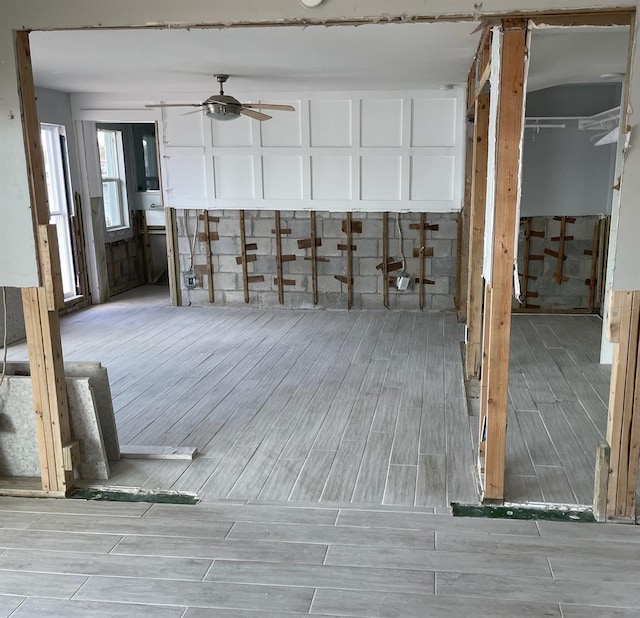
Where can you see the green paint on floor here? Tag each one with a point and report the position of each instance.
(134, 495)
(522, 512)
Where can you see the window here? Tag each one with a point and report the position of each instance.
(54, 153)
(114, 187)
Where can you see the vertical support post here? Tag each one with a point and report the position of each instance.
(623, 423)
(41, 304)
(207, 240)
(475, 282)
(525, 266)
(349, 262)
(314, 258)
(279, 258)
(496, 339)
(422, 273)
(173, 260)
(243, 246)
(463, 228)
(385, 259)
(601, 482)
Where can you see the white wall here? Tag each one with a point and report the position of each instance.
(18, 264)
(337, 152)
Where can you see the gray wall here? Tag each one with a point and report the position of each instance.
(55, 108)
(563, 173)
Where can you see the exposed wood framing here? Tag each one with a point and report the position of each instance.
(314, 258)
(173, 260)
(279, 258)
(243, 247)
(475, 282)
(497, 335)
(79, 246)
(42, 304)
(146, 244)
(385, 259)
(422, 252)
(623, 424)
(601, 481)
(349, 262)
(207, 240)
(462, 253)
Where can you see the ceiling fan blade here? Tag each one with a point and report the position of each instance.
(195, 111)
(174, 105)
(284, 108)
(253, 114)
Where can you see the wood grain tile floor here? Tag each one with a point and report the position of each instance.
(72, 558)
(558, 393)
(303, 406)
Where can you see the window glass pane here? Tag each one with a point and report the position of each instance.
(112, 203)
(108, 148)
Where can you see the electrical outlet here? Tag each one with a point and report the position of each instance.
(190, 280)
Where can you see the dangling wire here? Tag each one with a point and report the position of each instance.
(401, 239)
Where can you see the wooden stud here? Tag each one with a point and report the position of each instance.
(601, 481)
(146, 247)
(421, 279)
(591, 282)
(525, 265)
(623, 424)
(314, 257)
(41, 304)
(496, 339)
(279, 259)
(475, 283)
(207, 240)
(462, 253)
(173, 262)
(243, 246)
(385, 259)
(349, 262)
(79, 246)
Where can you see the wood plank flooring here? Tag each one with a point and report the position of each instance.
(301, 406)
(82, 559)
(558, 408)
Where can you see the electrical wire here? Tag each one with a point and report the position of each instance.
(5, 338)
(401, 239)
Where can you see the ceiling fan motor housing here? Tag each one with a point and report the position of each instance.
(222, 107)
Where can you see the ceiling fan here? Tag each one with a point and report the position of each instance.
(224, 107)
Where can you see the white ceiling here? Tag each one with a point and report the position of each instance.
(169, 62)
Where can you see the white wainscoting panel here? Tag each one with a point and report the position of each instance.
(284, 129)
(432, 178)
(380, 177)
(282, 177)
(238, 132)
(381, 123)
(331, 177)
(330, 123)
(434, 122)
(182, 128)
(234, 177)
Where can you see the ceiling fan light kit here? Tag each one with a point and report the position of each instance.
(225, 107)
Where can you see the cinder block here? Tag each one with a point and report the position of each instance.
(226, 281)
(365, 285)
(337, 266)
(328, 283)
(261, 228)
(332, 300)
(229, 224)
(440, 302)
(371, 301)
(366, 247)
(264, 265)
(226, 246)
(441, 247)
(444, 266)
(332, 228)
(227, 263)
(447, 229)
(407, 300)
(441, 286)
(234, 297)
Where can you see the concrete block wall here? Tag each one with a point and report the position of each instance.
(571, 294)
(332, 294)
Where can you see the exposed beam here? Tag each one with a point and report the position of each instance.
(497, 335)
(475, 283)
(41, 304)
(623, 423)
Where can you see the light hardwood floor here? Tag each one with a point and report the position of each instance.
(306, 406)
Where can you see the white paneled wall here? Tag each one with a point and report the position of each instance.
(338, 151)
